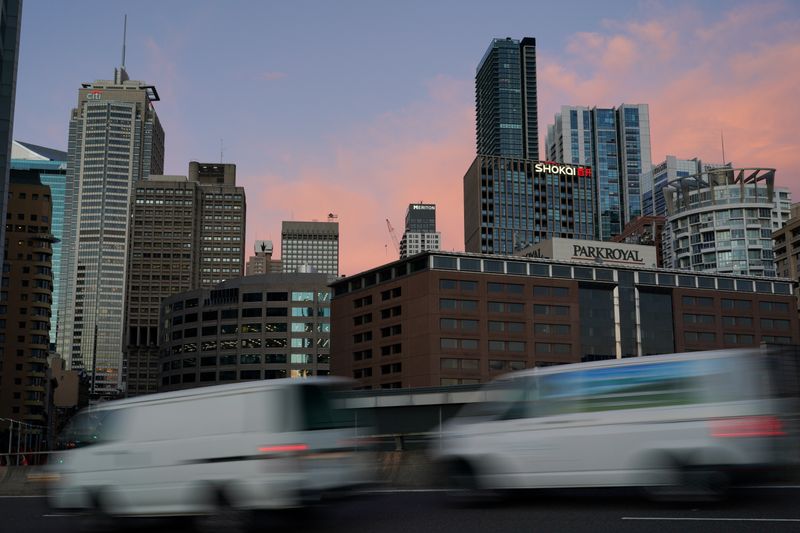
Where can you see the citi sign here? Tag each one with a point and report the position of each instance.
(562, 170)
(94, 95)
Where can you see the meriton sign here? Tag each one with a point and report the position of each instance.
(598, 252)
(563, 170)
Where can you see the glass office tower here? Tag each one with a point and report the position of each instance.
(51, 168)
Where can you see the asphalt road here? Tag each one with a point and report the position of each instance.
(748, 510)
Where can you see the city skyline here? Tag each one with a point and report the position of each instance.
(378, 138)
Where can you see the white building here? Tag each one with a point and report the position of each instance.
(310, 247)
(721, 220)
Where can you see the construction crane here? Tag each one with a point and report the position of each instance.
(393, 235)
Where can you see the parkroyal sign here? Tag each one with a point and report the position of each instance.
(562, 170)
(601, 252)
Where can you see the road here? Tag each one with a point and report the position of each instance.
(748, 510)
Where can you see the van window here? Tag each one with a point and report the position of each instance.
(319, 412)
(91, 427)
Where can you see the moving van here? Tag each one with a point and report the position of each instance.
(683, 424)
(245, 446)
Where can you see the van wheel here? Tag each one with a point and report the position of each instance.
(225, 517)
(98, 517)
(692, 483)
(463, 488)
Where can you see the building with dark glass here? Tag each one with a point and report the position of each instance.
(256, 327)
(25, 301)
(615, 142)
(510, 203)
(10, 23)
(50, 166)
(786, 246)
(506, 108)
(444, 318)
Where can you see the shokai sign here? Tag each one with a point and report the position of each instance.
(562, 170)
(580, 251)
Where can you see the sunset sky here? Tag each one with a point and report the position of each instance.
(359, 108)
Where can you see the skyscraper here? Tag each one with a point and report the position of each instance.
(115, 139)
(310, 247)
(509, 203)
(616, 143)
(420, 233)
(506, 109)
(51, 168)
(187, 233)
(26, 295)
(10, 21)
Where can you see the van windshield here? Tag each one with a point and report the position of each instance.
(320, 411)
(89, 427)
(499, 398)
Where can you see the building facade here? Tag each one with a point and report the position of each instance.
(786, 245)
(506, 106)
(647, 230)
(256, 327)
(420, 232)
(615, 142)
(509, 203)
(50, 166)
(115, 139)
(453, 318)
(722, 220)
(186, 233)
(25, 301)
(262, 262)
(310, 247)
(10, 24)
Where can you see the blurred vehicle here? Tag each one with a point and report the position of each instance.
(245, 446)
(680, 425)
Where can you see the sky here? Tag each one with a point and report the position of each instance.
(358, 108)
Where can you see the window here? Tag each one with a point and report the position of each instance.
(777, 307)
(448, 363)
(737, 321)
(252, 297)
(556, 310)
(506, 307)
(551, 329)
(774, 323)
(251, 312)
(701, 301)
(741, 305)
(550, 292)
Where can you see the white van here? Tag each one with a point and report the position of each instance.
(683, 424)
(245, 446)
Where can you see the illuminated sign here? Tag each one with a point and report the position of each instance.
(94, 95)
(423, 206)
(563, 170)
(593, 251)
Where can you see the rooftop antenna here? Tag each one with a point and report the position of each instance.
(124, 38)
(722, 139)
(221, 151)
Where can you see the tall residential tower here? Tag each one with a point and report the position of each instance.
(616, 143)
(506, 110)
(420, 233)
(115, 139)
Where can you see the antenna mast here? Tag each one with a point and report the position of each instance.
(124, 39)
(722, 139)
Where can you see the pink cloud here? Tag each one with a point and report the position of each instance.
(418, 153)
(272, 75)
(699, 78)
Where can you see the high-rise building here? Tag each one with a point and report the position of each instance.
(50, 166)
(615, 142)
(654, 181)
(420, 233)
(786, 245)
(115, 139)
(722, 220)
(262, 262)
(310, 247)
(506, 108)
(10, 21)
(186, 233)
(255, 327)
(509, 203)
(25, 299)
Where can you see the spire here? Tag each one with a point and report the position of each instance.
(120, 74)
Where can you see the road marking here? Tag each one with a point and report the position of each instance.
(710, 519)
(57, 515)
(35, 496)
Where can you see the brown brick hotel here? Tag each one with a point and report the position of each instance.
(441, 318)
